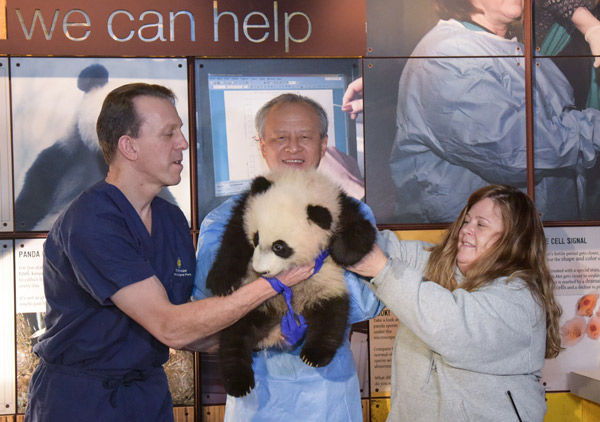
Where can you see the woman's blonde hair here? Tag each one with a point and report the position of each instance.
(520, 252)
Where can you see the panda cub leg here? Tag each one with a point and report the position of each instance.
(235, 352)
(327, 321)
(235, 355)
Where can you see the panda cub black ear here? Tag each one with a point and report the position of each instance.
(320, 216)
(260, 185)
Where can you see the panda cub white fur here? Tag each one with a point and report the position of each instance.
(286, 219)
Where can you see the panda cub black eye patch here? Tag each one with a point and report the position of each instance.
(255, 239)
(281, 249)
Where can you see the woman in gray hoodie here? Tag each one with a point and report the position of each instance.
(477, 314)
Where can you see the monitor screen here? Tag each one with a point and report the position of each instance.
(229, 92)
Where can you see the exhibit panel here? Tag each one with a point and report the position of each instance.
(58, 157)
(566, 138)
(437, 129)
(560, 28)
(574, 259)
(7, 331)
(6, 198)
(30, 309)
(396, 27)
(229, 92)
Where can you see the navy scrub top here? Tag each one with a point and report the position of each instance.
(98, 246)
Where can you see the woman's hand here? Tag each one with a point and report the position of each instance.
(372, 264)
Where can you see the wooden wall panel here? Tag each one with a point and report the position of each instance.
(183, 414)
(213, 413)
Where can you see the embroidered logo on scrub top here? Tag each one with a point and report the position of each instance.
(181, 272)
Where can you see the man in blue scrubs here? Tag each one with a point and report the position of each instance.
(118, 273)
(292, 132)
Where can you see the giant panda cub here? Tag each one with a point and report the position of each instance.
(287, 219)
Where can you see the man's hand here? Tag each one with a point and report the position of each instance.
(296, 275)
(352, 101)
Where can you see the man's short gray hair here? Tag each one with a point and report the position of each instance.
(261, 115)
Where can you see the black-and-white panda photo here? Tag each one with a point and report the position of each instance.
(55, 104)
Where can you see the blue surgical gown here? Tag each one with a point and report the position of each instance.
(461, 126)
(286, 388)
(96, 363)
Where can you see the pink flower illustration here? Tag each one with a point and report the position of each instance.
(572, 331)
(593, 328)
(586, 305)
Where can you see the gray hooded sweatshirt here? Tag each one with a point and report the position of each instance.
(457, 355)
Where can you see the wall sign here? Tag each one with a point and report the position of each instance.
(186, 28)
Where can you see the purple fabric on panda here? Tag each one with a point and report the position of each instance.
(294, 326)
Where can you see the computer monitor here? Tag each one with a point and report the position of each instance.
(229, 92)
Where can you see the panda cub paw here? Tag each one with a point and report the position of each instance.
(316, 357)
(240, 384)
